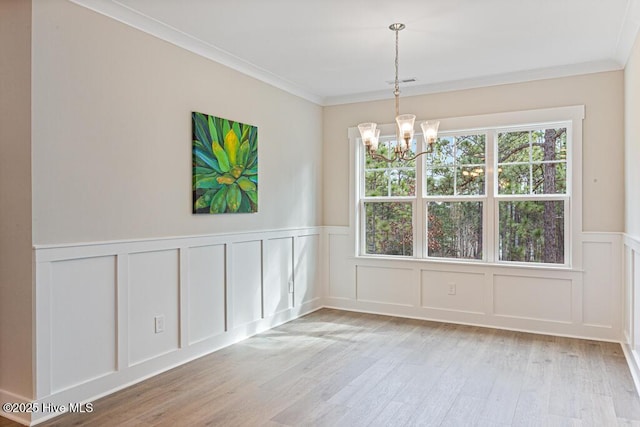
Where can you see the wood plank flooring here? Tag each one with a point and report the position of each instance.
(336, 368)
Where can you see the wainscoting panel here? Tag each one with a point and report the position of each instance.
(96, 304)
(306, 272)
(206, 293)
(246, 282)
(386, 285)
(278, 277)
(635, 286)
(601, 265)
(153, 292)
(83, 336)
(342, 274)
(633, 248)
(632, 307)
(629, 296)
(526, 297)
(467, 293)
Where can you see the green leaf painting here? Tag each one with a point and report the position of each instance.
(225, 165)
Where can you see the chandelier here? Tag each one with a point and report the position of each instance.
(404, 132)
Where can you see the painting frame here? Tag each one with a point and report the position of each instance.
(224, 165)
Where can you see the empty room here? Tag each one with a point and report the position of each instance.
(323, 213)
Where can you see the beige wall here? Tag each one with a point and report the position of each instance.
(15, 198)
(603, 143)
(112, 134)
(632, 141)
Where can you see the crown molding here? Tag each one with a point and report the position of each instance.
(628, 32)
(122, 13)
(115, 10)
(479, 82)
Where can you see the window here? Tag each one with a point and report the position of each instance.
(491, 193)
(455, 196)
(388, 205)
(532, 194)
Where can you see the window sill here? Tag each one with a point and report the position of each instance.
(464, 263)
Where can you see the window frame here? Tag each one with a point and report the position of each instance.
(572, 117)
(426, 198)
(565, 197)
(363, 200)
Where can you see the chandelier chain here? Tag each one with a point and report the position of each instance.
(396, 92)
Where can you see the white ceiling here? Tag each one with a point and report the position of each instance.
(338, 51)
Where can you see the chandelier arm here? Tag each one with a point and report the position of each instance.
(382, 157)
(408, 159)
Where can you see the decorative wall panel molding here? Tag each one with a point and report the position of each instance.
(631, 305)
(109, 314)
(136, 308)
(83, 337)
(583, 303)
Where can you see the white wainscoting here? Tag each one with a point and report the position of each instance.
(97, 304)
(632, 305)
(582, 303)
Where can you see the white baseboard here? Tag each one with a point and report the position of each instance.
(19, 417)
(470, 319)
(633, 360)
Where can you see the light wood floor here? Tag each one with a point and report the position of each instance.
(335, 368)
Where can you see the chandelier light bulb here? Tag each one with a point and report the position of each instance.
(368, 133)
(374, 141)
(405, 125)
(430, 131)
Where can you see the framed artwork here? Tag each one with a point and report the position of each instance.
(225, 165)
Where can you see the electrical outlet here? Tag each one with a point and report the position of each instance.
(290, 286)
(452, 289)
(159, 324)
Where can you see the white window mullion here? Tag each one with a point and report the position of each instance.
(359, 193)
(495, 228)
(455, 166)
(363, 228)
(568, 249)
(490, 239)
(425, 222)
(419, 248)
